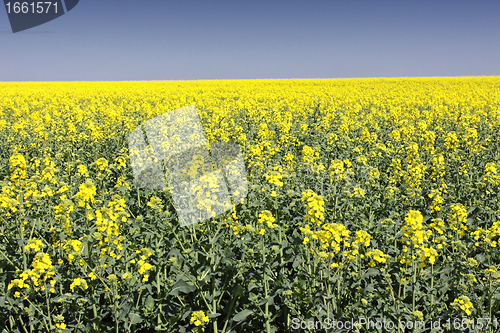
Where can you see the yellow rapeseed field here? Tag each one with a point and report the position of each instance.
(367, 198)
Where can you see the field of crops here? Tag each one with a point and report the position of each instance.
(367, 198)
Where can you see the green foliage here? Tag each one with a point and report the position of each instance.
(371, 208)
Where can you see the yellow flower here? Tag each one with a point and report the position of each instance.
(61, 326)
(82, 170)
(78, 282)
(199, 318)
(464, 303)
(267, 217)
(413, 229)
(17, 161)
(76, 245)
(34, 244)
(86, 193)
(315, 206)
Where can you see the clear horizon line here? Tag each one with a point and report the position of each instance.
(261, 79)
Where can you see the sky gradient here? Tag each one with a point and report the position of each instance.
(129, 40)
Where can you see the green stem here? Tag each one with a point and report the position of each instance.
(94, 325)
(178, 240)
(214, 304)
(432, 286)
(22, 322)
(229, 313)
(41, 313)
(8, 260)
(158, 288)
(309, 268)
(414, 283)
(48, 306)
(25, 261)
(138, 198)
(116, 310)
(266, 292)
(214, 267)
(490, 296)
(338, 293)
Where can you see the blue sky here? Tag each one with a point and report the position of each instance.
(115, 40)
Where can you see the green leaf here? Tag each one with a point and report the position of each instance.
(135, 318)
(370, 288)
(182, 286)
(269, 300)
(370, 272)
(150, 303)
(251, 285)
(238, 291)
(242, 315)
(213, 315)
(216, 238)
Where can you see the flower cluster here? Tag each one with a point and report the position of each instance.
(413, 230)
(458, 218)
(315, 206)
(464, 304)
(199, 318)
(86, 193)
(41, 271)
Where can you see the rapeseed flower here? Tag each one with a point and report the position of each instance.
(315, 206)
(464, 304)
(199, 318)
